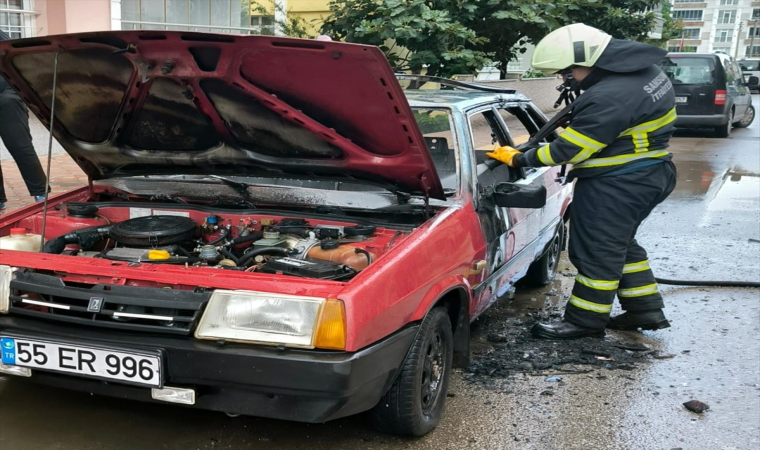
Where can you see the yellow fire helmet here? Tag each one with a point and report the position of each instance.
(571, 45)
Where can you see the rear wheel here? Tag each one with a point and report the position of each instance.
(542, 271)
(722, 131)
(746, 121)
(414, 404)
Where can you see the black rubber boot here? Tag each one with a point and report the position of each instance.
(646, 320)
(562, 329)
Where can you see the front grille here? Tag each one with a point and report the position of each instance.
(166, 311)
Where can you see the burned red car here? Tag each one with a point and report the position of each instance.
(273, 227)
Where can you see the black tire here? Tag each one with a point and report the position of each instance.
(722, 131)
(746, 121)
(543, 270)
(414, 404)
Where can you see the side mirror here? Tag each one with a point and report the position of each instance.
(753, 81)
(511, 195)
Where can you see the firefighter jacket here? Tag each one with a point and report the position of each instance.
(622, 120)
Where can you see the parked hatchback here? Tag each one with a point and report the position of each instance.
(272, 227)
(751, 68)
(711, 91)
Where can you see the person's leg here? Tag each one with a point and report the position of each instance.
(604, 216)
(14, 131)
(597, 247)
(638, 293)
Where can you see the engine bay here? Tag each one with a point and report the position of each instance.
(266, 243)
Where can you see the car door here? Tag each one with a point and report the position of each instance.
(735, 89)
(510, 233)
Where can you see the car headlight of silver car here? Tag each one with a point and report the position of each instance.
(274, 319)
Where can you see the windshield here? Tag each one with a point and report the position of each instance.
(750, 65)
(437, 128)
(689, 70)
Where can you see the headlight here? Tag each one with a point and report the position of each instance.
(261, 317)
(6, 275)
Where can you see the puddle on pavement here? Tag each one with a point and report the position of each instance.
(737, 191)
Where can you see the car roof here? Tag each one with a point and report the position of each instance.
(700, 55)
(458, 99)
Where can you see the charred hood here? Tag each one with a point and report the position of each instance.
(162, 102)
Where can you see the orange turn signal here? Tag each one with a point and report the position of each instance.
(331, 331)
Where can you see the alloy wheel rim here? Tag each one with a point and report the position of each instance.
(748, 118)
(553, 257)
(432, 373)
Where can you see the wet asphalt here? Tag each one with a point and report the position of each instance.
(709, 229)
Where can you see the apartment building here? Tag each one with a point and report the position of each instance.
(728, 26)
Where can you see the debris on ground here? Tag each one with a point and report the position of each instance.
(502, 346)
(696, 406)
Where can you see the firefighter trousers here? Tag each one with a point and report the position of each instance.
(604, 217)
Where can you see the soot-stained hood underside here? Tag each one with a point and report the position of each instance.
(165, 102)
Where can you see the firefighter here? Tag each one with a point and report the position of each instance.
(617, 142)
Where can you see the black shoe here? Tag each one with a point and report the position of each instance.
(646, 320)
(563, 329)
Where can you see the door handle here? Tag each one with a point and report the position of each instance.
(477, 267)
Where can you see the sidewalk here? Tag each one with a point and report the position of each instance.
(65, 175)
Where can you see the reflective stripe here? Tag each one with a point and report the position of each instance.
(640, 142)
(581, 140)
(648, 127)
(640, 291)
(636, 267)
(621, 159)
(589, 306)
(582, 156)
(602, 285)
(545, 156)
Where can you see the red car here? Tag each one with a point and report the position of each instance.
(272, 227)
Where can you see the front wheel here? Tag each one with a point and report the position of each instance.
(414, 404)
(543, 270)
(746, 121)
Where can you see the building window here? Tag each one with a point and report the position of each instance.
(723, 35)
(262, 24)
(17, 18)
(688, 15)
(729, 2)
(684, 49)
(753, 31)
(755, 52)
(686, 1)
(690, 33)
(756, 14)
(215, 16)
(725, 16)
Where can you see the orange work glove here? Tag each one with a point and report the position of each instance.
(504, 154)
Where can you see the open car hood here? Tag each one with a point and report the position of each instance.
(164, 102)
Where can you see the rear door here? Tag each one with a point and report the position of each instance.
(736, 89)
(695, 80)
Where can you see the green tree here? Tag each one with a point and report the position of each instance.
(456, 35)
(413, 34)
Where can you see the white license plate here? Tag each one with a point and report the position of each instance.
(681, 99)
(131, 367)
